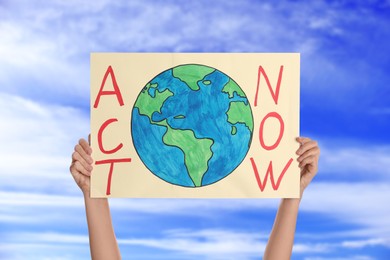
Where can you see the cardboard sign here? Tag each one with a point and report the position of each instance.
(195, 125)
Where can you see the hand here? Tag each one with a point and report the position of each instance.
(309, 153)
(81, 166)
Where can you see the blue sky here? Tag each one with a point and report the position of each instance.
(345, 105)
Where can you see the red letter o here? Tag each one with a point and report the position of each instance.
(277, 116)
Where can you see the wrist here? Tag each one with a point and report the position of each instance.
(86, 194)
(293, 202)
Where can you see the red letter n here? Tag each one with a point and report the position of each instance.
(275, 95)
(116, 90)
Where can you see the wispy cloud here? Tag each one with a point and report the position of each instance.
(302, 248)
(51, 41)
(207, 243)
(358, 161)
(359, 203)
(38, 140)
(43, 251)
(352, 257)
(333, 197)
(363, 243)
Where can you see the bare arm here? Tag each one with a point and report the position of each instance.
(281, 240)
(102, 239)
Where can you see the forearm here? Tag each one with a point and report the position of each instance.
(102, 239)
(281, 240)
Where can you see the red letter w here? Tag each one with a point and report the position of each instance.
(276, 185)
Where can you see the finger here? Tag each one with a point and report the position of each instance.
(80, 168)
(75, 173)
(303, 140)
(311, 160)
(312, 152)
(77, 157)
(78, 148)
(307, 146)
(85, 146)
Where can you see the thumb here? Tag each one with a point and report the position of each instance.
(89, 139)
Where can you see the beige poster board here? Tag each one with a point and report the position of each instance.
(195, 125)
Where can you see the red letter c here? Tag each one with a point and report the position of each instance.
(100, 139)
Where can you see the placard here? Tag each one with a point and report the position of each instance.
(195, 125)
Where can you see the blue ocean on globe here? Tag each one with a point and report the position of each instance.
(192, 125)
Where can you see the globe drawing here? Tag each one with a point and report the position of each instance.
(192, 125)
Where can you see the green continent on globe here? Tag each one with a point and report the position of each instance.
(234, 130)
(197, 152)
(239, 112)
(147, 104)
(232, 87)
(191, 74)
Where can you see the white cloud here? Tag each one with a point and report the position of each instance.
(368, 162)
(49, 43)
(25, 199)
(43, 251)
(37, 142)
(50, 238)
(352, 257)
(312, 248)
(355, 203)
(357, 244)
(32, 62)
(208, 243)
(30, 202)
(346, 203)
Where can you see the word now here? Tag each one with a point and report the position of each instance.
(275, 97)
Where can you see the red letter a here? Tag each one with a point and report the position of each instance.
(116, 90)
(275, 186)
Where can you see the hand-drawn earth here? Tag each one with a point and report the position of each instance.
(192, 125)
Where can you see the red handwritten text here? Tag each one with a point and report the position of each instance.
(118, 95)
(275, 97)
